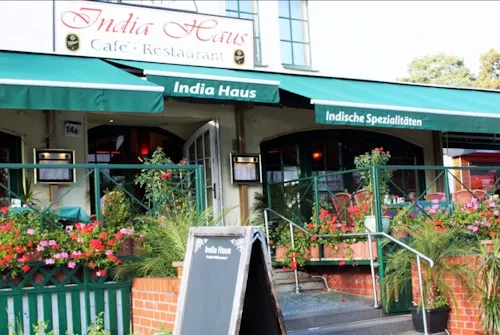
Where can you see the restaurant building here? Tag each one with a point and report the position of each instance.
(206, 80)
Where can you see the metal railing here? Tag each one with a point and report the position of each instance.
(369, 236)
(93, 181)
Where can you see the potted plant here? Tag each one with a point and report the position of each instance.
(488, 287)
(365, 162)
(440, 244)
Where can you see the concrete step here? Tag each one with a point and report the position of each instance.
(382, 326)
(306, 284)
(332, 317)
(281, 274)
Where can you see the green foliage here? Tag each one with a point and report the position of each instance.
(439, 245)
(166, 190)
(97, 327)
(165, 241)
(489, 287)
(489, 75)
(28, 195)
(439, 69)
(117, 209)
(377, 157)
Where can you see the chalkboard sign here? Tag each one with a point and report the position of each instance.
(227, 285)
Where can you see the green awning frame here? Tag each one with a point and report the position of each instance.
(52, 82)
(210, 83)
(397, 105)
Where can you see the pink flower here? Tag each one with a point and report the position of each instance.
(492, 204)
(64, 255)
(52, 243)
(30, 232)
(40, 248)
(473, 228)
(76, 253)
(71, 265)
(44, 243)
(109, 252)
(68, 228)
(496, 213)
(435, 201)
(55, 207)
(50, 261)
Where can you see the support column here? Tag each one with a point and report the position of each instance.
(52, 144)
(240, 110)
(437, 157)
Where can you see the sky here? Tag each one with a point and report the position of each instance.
(378, 39)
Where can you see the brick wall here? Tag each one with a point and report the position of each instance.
(348, 279)
(465, 317)
(154, 303)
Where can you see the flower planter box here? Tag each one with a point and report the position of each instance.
(360, 251)
(311, 254)
(437, 319)
(488, 244)
(280, 253)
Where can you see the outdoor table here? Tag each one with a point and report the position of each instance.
(66, 213)
(423, 204)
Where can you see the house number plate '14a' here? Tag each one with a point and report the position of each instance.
(72, 129)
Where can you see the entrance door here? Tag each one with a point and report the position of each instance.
(202, 148)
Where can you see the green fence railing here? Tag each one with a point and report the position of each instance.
(67, 299)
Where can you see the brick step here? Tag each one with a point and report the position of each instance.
(382, 326)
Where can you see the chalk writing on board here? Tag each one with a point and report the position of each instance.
(238, 243)
(199, 243)
(219, 252)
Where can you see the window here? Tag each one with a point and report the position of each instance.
(247, 9)
(294, 33)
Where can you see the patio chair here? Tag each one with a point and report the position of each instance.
(479, 194)
(434, 196)
(360, 197)
(462, 197)
(342, 202)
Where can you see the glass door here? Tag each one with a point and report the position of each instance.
(202, 148)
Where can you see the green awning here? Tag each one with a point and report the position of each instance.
(391, 105)
(50, 82)
(210, 83)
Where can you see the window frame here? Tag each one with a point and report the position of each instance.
(305, 22)
(256, 26)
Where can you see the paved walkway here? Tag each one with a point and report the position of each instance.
(320, 302)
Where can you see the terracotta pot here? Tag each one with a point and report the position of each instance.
(399, 234)
(488, 244)
(359, 251)
(312, 253)
(280, 253)
(38, 278)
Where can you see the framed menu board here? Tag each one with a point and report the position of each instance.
(54, 175)
(246, 168)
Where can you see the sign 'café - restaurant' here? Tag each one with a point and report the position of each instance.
(111, 82)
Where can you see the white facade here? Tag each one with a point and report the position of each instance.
(183, 119)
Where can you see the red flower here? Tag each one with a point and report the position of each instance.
(299, 234)
(101, 273)
(19, 249)
(293, 265)
(92, 265)
(4, 210)
(118, 262)
(30, 244)
(111, 243)
(284, 268)
(96, 244)
(271, 242)
(73, 236)
(111, 257)
(310, 226)
(314, 238)
(103, 235)
(119, 235)
(26, 268)
(166, 175)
